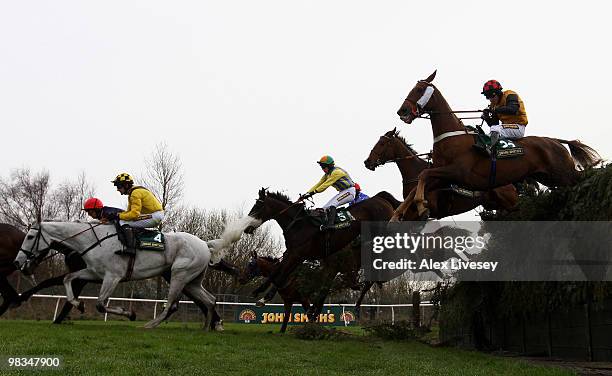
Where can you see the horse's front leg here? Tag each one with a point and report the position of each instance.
(263, 287)
(81, 274)
(109, 284)
(419, 197)
(9, 295)
(269, 296)
(399, 212)
(55, 281)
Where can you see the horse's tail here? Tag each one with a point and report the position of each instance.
(585, 155)
(389, 198)
(231, 234)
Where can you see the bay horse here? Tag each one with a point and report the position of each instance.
(11, 239)
(303, 238)
(264, 266)
(455, 159)
(186, 256)
(443, 202)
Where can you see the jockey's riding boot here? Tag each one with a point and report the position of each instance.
(129, 240)
(331, 217)
(494, 138)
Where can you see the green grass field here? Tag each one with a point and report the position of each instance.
(123, 348)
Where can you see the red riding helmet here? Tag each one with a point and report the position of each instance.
(357, 187)
(93, 203)
(491, 87)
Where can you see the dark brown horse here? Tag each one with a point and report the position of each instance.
(264, 266)
(303, 238)
(456, 160)
(443, 202)
(11, 239)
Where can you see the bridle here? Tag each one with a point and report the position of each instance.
(30, 256)
(295, 218)
(418, 109)
(379, 162)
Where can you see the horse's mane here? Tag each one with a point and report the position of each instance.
(403, 140)
(281, 197)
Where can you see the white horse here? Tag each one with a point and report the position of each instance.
(185, 255)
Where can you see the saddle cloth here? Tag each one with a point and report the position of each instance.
(150, 240)
(505, 148)
(343, 217)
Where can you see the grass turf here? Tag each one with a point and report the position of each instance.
(124, 348)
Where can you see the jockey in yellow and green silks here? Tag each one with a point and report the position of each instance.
(337, 178)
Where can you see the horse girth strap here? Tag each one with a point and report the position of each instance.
(452, 134)
(130, 268)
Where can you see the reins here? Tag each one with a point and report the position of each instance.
(51, 245)
(428, 114)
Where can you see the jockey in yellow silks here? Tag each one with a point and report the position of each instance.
(335, 177)
(506, 113)
(144, 210)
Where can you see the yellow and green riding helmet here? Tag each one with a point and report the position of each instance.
(326, 161)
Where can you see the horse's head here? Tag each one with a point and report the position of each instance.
(383, 151)
(250, 271)
(269, 205)
(35, 247)
(418, 100)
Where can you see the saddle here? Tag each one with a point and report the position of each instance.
(504, 149)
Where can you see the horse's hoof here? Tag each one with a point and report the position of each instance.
(132, 316)
(424, 216)
(260, 303)
(219, 326)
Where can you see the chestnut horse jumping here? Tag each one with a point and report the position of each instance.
(456, 160)
(443, 202)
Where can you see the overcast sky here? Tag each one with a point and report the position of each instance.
(251, 93)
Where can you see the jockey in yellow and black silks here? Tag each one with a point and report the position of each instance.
(144, 209)
(335, 177)
(506, 113)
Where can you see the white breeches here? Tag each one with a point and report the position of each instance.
(341, 198)
(145, 220)
(511, 131)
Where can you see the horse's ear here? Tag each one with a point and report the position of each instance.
(262, 193)
(431, 76)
